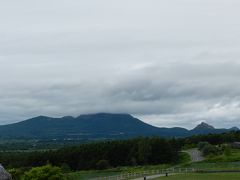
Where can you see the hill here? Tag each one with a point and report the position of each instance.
(95, 126)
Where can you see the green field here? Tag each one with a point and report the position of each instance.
(234, 156)
(184, 163)
(115, 171)
(214, 166)
(218, 162)
(207, 176)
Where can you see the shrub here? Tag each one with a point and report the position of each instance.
(16, 173)
(65, 168)
(201, 145)
(45, 172)
(210, 150)
(102, 164)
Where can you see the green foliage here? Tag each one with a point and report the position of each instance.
(16, 173)
(102, 164)
(210, 150)
(84, 175)
(188, 146)
(233, 156)
(201, 145)
(65, 168)
(144, 151)
(213, 138)
(214, 164)
(184, 158)
(140, 151)
(45, 172)
(227, 150)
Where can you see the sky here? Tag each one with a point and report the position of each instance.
(169, 62)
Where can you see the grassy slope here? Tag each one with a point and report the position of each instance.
(184, 158)
(219, 162)
(101, 173)
(198, 176)
(233, 157)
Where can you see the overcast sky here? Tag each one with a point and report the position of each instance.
(168, 62)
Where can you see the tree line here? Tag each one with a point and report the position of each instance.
(100, 155)
(106, 154)
(214, 139)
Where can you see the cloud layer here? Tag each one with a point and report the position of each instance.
(170, 63)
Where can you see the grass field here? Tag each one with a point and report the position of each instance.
(207, 176)
(220, 162)
(115, 171)
(234, 156)
(214, 166)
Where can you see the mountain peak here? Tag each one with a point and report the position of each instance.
(105, 115)
(204, 125)
(234, 128)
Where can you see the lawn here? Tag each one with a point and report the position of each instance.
(184, 158)
(234, 156)
(218, 162)
(214, 166)
(207, 176)
(115, 171)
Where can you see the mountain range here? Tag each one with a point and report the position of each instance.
(96, 126)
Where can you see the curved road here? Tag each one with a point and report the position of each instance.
(195, 154)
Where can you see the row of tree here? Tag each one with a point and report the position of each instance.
(214, 139)
(100, 155)
(140, 151)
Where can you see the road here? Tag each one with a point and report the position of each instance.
(152, 176)
(195, 154)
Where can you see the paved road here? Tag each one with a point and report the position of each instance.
(195, 154)
(152, 176)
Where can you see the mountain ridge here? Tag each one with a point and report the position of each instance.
(96, 126)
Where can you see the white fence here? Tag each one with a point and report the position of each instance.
(133, 175)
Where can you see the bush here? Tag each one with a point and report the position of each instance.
(16, 173)
(45, 172)
(201, 145)
(65, 168)
(102, 164)
(210, 150)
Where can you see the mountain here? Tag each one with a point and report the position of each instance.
(234, 128)
(95, 126)
(204, 128)
(204, 125)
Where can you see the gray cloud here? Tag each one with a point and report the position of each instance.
(170, 63)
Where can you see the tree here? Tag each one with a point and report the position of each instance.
(102, 164)
(144, 150)
(201, 145)
(210, 150)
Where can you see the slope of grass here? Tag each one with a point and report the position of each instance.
(234, 156)
(214, 165)
(115, 171)
(184, 159)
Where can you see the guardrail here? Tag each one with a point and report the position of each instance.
(133, 175)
